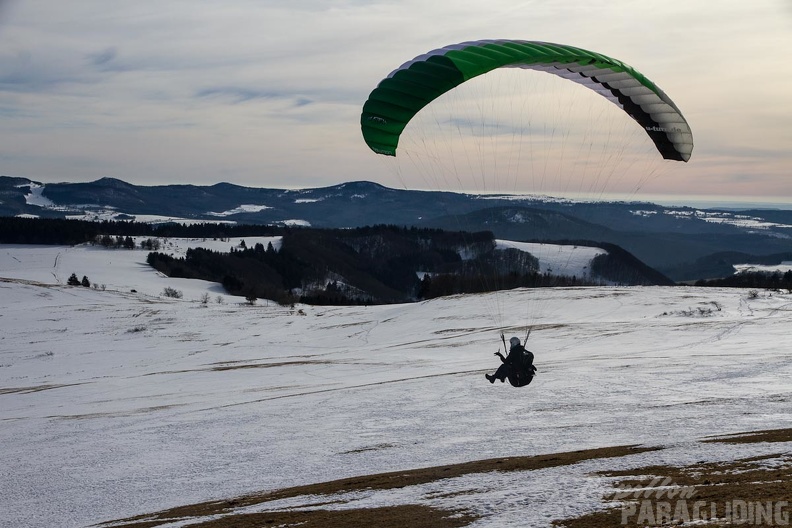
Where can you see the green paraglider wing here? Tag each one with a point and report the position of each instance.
(400, 96)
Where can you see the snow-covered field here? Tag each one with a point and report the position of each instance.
(777, 268)
(116, 269)
(572, 261)
(114, 403)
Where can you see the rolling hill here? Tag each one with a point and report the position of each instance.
(669, 239)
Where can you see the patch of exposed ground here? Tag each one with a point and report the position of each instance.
(118, 414)
(749, 491)
(221, 367)
(369, 448)
(36, 388)
(755, 491)
(769, 435)
(397, 516)
(412, 515)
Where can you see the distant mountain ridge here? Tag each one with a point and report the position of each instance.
(670, 239)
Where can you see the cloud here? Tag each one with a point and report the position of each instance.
(239, 94)
(103, 57)
(23, 71)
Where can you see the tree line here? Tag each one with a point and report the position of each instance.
(367, 265)
(770, 280)
(376, 264)
(60, 231)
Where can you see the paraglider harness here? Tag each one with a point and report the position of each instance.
(522, 370)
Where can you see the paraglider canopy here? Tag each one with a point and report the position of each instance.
(415, 84)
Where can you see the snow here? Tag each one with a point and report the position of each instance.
(117, 269)
(643, 212)
(570, 261)
(770, 268)
(117, 403)
(295, 223)
(245, 208)
(529, 198)
(717, 217)
(36, 196)
(100, 215)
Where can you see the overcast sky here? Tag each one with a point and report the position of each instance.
(268, 92)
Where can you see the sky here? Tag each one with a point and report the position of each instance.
(268, 93)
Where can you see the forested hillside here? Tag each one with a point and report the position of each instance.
(379, 264)
(366, 265)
